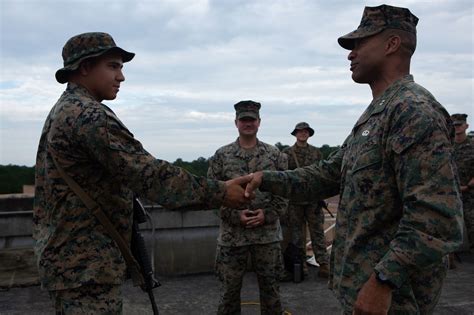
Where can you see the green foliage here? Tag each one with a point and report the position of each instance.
(13, 177)
(197, 167)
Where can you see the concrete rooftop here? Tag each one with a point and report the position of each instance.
(199, 294)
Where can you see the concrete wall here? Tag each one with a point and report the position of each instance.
(184, 242)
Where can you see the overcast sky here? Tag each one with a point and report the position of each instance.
(195, 59)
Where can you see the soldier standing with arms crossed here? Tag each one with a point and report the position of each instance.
(79, 263)
(400, 210)
(464, 157)
(254, 230)
(302, 154)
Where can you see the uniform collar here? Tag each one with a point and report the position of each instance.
(378, 105)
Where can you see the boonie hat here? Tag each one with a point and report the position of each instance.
(376, 19)
(301, 126)
(84, 46)
(249, 109)
(458, 119)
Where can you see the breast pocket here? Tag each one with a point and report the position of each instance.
(368, 160)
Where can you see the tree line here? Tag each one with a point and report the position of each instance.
(13, 177)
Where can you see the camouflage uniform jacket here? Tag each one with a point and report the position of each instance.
(464, 157)
(232, 161)
(306, 156)
(400, 208)
(102, 156)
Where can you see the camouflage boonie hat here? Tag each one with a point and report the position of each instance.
(248, 109)
(376, 19)
(301, 126)
(458, 119)
(84, 46)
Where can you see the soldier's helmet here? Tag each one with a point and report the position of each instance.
(301, 126)
(376, 19)
(458, 119)
(87, 45)
(247, 109)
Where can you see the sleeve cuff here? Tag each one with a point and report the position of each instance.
(392, 270)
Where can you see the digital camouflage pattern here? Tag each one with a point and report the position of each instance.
(88, 299)
(301, 126)
(247, 109)
(306, 211)
(400, 211)
(87, 45)
(232, 161)
(306, 155)
(235, 242)
(376, 19)
(94, 148)
(231, 265)
(464, 157)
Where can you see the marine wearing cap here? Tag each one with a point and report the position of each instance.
(247, 109)
(301, 126)
(87, 45)
(459, 119)
(377, 19)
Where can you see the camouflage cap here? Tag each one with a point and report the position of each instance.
(376, 19)
(301, 126)
(249, 109)
(84, 46)
(459, 119)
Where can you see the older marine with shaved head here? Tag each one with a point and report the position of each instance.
(400, 211)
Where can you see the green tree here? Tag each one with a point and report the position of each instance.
(13, 177)
(197, 167)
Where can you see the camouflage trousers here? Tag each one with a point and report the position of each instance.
(88, 299)
(298, 215)
(231, 265)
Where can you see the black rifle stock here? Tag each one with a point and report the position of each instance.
(141, 254)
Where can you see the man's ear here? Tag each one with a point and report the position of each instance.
(85, 67)
(392, 44)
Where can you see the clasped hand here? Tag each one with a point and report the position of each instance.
(241, 190)
(251, 219)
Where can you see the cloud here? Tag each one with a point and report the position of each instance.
(195, 59)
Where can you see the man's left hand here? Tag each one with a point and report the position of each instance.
(257, 219)
(374, 298)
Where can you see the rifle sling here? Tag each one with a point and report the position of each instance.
(294, 156)
(132, 264)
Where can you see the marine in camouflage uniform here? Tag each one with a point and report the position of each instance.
(237, 239)
(78, 262)
(400, 211)
(302, 154)
(464, 157)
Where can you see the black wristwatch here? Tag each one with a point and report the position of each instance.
(382, 278)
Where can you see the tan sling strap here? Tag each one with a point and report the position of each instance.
(294, 156)
(132, 264)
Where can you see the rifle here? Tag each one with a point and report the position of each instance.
(140, 253)
(324, 205)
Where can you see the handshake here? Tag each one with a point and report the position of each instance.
(241, 190)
